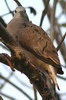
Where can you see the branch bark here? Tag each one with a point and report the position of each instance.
(19, 61)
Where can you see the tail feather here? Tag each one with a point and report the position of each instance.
(60, 71)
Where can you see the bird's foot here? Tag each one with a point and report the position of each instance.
(7, 60)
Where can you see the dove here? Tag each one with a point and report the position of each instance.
(36, 44)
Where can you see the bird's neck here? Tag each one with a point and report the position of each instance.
(21, 16)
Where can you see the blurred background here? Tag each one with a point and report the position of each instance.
(51, 16)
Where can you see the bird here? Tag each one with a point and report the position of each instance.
(36, 44)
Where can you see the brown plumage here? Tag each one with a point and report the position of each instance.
(36, 44)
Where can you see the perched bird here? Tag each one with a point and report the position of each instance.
(36, 44)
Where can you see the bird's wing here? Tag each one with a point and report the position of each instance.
(36, 40)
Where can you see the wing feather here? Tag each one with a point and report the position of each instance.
(36, 40)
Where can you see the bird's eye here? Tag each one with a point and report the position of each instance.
(15, 11)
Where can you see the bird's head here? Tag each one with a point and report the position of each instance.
(19, 9)
(20, 12)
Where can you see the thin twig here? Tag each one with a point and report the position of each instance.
(2, 77)
(62, 78)
(61, 42)
(21, 82)
(18, 3)
(53, 9)
(4, 47)
(5, 95)
(8, 7)
(5, 80)
(35, 93)
(44, 12)
(6, 14)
